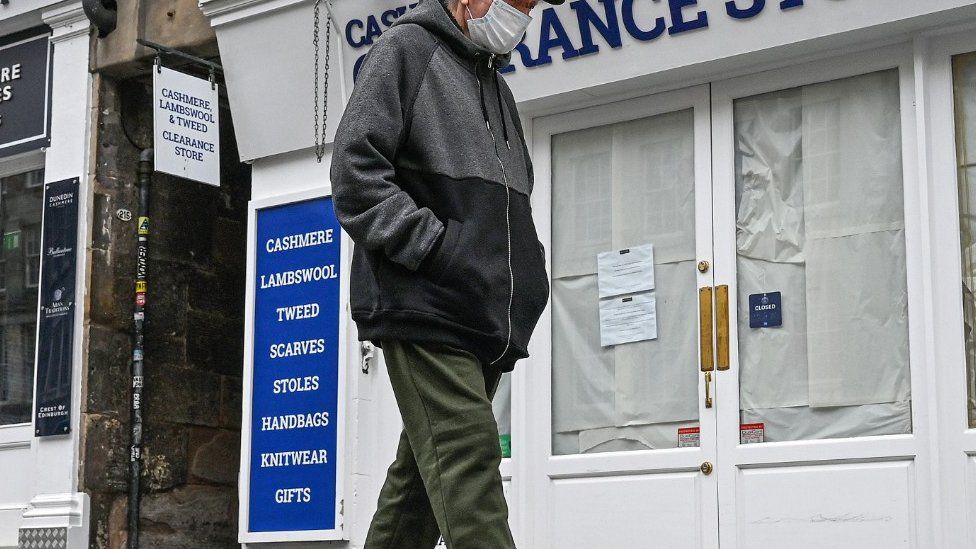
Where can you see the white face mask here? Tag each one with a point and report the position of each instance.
(500, 30)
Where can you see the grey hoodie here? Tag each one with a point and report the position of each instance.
(431, 179)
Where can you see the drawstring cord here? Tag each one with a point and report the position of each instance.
(498, 97)
(481, 92)
(501, 109)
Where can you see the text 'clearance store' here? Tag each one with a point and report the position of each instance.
(779, 192)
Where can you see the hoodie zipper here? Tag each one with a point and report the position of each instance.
(508, 218)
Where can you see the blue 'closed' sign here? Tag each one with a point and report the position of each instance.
(766, 310)
(293, 474)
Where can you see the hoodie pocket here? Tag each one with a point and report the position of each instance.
(442, 261)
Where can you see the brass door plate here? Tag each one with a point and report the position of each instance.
(705, 328)
(722, 332)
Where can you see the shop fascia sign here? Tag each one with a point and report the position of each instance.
(25, 91)
(611, 20)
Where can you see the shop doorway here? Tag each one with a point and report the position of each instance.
(774, 403)
(951, 89)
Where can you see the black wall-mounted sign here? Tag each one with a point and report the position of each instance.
(55, 320)
(25, 92)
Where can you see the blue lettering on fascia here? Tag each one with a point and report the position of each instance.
(681, 16)
(608, 27)
(361, 33)
(633, 29)
(553, 34)
(744, 13)
(388, 17)
(678, 22)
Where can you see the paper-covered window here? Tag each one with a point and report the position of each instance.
(613, 187)
(820, 219)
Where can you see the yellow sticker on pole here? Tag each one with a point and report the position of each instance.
(144, 225)
(140, 286)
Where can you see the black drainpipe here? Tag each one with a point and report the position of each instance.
(139, 318)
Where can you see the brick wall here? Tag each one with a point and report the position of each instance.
(194, 336)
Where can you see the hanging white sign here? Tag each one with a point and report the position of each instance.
(186, 126)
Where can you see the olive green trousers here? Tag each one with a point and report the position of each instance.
(445, 478)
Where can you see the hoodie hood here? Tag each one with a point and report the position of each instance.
(433, 16)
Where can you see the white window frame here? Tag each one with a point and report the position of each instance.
(956, 442)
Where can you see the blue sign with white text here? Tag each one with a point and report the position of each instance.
(295, 383)
(766, 310)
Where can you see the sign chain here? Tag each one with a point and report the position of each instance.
(320, 129)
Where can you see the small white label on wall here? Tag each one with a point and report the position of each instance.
(186, 126)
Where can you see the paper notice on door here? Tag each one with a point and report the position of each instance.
(628, 319)
(689, 437)
(625, 271)
(752, 433)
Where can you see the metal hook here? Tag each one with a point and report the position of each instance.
(159, 64)
(213, 80)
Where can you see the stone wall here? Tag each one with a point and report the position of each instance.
(194, 336)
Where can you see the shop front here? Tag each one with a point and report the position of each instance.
(794, 178)
(44, 98)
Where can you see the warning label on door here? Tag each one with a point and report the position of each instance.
(751, 433)
(689, 437)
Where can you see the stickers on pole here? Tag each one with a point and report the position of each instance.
(186, 126)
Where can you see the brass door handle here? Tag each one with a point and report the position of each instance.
(722, 335)
(705, 331)
(708, 389)
(706, 468)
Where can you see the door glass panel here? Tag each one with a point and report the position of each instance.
(964, 82)
(21, 198)
(820, 219)
(613, 187)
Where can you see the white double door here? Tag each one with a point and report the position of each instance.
(774, 407)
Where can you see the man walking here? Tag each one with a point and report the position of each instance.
(431, 179)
